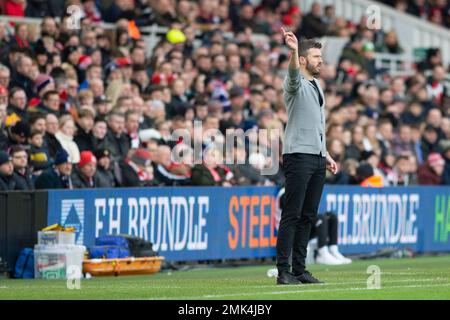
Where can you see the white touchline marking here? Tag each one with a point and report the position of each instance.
(361, 282)
(313, 290)
(298, 291)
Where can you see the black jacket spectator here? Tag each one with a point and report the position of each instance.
(23, 181)
(130, 178)
(24, 82)
(84, 140)
(7, 183)
(106, 177)
(119, 145)
(50, 179)
(246, 175)
(52, 144)
(79, 181)
(313, 27)
(202, 176)
(53, 177)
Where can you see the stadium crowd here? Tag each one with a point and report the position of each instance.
(88, 108)
(435, 11)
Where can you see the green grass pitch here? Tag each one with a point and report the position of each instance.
(414, 278)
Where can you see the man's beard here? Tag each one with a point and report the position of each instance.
(312, 70)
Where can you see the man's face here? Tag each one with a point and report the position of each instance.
(7, 168)
(25, 66)
(51, 124)
(313, 61)
(403, 166)
(104, 162)
(19, 99)
(52, 102)
(103, 108)
(65, 168)
(99, 130)
(20, 160)
(431, 136)
(117, 124)
(201, 111)
(405, 134)
(37, 140)
(132, 123)
(86, 123)
(4, 78)
(88, 170)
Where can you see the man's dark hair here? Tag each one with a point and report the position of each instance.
(35, 117)
(115, 113)
(14, 91)
(86, 113)
(49, 93)
(306, 44)
(130, 113)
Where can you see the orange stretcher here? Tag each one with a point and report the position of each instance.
(124, 266)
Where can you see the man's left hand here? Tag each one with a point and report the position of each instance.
(331, 164)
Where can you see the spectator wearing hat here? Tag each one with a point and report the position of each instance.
(18, 134)
(17, 107)
(431, 173)
(102, 105)
(57, 176)
(44, 83)
(7, 181)
(107, 174)
(84, 174)
(85, 122)
(22, 173)
(65, 135)
(137, 170)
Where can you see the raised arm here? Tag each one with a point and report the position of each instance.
(292, 81)
(292, 43)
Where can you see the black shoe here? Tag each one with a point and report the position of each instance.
(287, 278)
(307, 277)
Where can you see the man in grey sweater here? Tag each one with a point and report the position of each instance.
(305, 158)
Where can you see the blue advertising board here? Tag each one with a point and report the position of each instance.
(207, 223)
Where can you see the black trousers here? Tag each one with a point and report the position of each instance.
(305, 178)
(325, 228)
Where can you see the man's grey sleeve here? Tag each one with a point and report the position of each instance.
(292, 81)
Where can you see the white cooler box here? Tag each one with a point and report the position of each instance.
(56, 237)
(54, 261)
